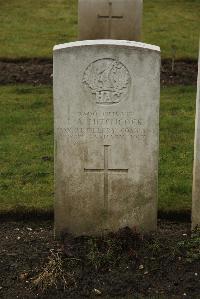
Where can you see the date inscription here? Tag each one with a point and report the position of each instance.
(103, 125)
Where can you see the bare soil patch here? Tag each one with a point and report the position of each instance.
(40, 71)
(34, 265)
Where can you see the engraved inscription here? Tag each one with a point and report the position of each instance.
(106, 171)
(103, 125)
(102, 133)
(108, 81)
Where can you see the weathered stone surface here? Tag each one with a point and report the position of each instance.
(196, 170)
(106, 107)
(113, 19)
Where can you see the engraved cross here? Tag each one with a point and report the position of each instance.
(110, 17)
(106, 171)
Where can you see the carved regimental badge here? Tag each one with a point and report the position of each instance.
(108, 80)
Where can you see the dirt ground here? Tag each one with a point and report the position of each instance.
(165, 264)
(39, 71)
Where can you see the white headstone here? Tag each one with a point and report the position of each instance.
(196, 170)
(106, 107)
(113, 19)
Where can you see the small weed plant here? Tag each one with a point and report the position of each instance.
(54, 274)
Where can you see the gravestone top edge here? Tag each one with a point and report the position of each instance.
(107, 42)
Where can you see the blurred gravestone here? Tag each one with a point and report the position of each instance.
(106, 106)
(116, 19)
(196, 170)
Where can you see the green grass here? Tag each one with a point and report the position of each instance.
(174, 26)
(26, 147)
(31, 28)
(176, 148)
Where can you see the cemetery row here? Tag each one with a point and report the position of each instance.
(106, 137)
(106, 111)
(106, 124)
(164, 24)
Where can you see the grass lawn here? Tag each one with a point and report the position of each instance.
(26, 147)
(31, 28)
(176, 148)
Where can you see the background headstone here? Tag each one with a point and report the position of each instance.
(196, 170)
(110, 19)
(106, 105)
